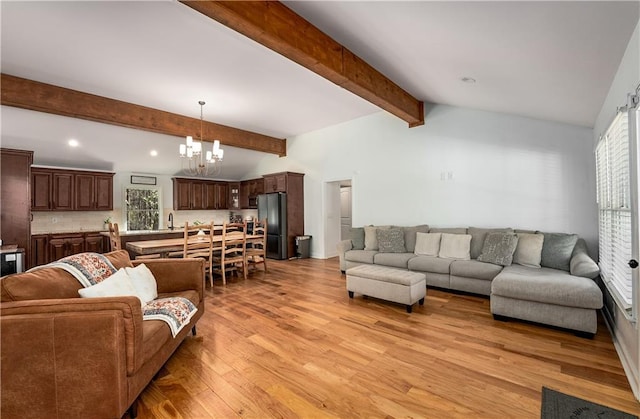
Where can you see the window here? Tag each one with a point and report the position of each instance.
(142, 208)
(616, 209)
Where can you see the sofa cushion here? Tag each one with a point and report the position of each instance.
(410, 236)
(429, 264)
(428, 244)
(546, 285)
(356, 234)
(581, 263)
(390, 240)
(498, 248)
(557, 249)
(455, 246)
(397, 260)
(371, 236)
(529, 250)
(477, 238)
(119, 259)
(362, 256)
(475, 269)
(449, 230)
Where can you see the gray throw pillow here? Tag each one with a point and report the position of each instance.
(557, 249)
(410, 236)
(391, 240)
(357, 238)
(478, 235)
(498, 248)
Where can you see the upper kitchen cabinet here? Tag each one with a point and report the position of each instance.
(196, 194)
(234, 195)
(70, 190)
(249, 191)
(276, 182)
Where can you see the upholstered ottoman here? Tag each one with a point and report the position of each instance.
(397, 285)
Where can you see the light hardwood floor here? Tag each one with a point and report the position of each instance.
(290, 343)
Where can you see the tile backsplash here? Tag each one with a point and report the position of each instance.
(75, 221)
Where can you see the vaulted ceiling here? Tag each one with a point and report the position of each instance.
(546, 60)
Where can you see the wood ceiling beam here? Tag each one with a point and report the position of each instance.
(42, 97)
(277, 27)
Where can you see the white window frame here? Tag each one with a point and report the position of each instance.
(125, 207)
(617, 197)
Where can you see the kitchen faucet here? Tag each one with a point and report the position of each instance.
(171, 221)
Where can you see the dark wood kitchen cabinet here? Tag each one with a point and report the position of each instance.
(196, 194)
(63, 245)
(94, 192)
(70, 190)
(15, 210)
(41, 190)
(51, 247)
(39, 250)
(249, 191)
(94, 242)
(276, 182)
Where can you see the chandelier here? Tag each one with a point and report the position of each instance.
(194, 161)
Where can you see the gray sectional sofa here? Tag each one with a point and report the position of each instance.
(545, 278)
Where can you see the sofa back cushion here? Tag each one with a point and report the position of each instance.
(356, 234)
(557, 249)
(410, 236)
(49, 283)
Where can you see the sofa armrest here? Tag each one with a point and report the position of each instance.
(64, 354)
(175, 275)
(581, 263)
(343, 247)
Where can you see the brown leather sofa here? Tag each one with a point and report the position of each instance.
(70, 357)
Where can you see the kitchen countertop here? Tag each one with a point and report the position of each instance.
(149, 232)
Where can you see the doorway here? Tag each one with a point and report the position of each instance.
(338, 215)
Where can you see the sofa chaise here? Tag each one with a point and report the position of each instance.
(541, 277)
(72, 357)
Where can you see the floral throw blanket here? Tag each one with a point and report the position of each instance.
(175, 311)
(88, 268)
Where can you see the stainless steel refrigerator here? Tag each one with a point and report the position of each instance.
(273, 207)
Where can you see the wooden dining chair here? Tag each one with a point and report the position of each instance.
(114, 237)
(198, 243)
(231, 255)
(256, 252)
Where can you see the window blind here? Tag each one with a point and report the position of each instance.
(614, 210)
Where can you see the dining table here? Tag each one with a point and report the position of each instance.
(164, 247)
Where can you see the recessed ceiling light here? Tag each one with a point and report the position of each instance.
(470, 80)
(73, 143)
(153, 153)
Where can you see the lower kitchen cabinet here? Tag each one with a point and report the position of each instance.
(48, 248)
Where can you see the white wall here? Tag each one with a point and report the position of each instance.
(505, 171)
(625, 334)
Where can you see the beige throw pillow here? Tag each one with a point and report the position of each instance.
(455, 246)
(144, 282)
(529, 250)
(371, 238)
(428, 244)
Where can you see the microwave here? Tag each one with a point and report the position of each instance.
(253, 202)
